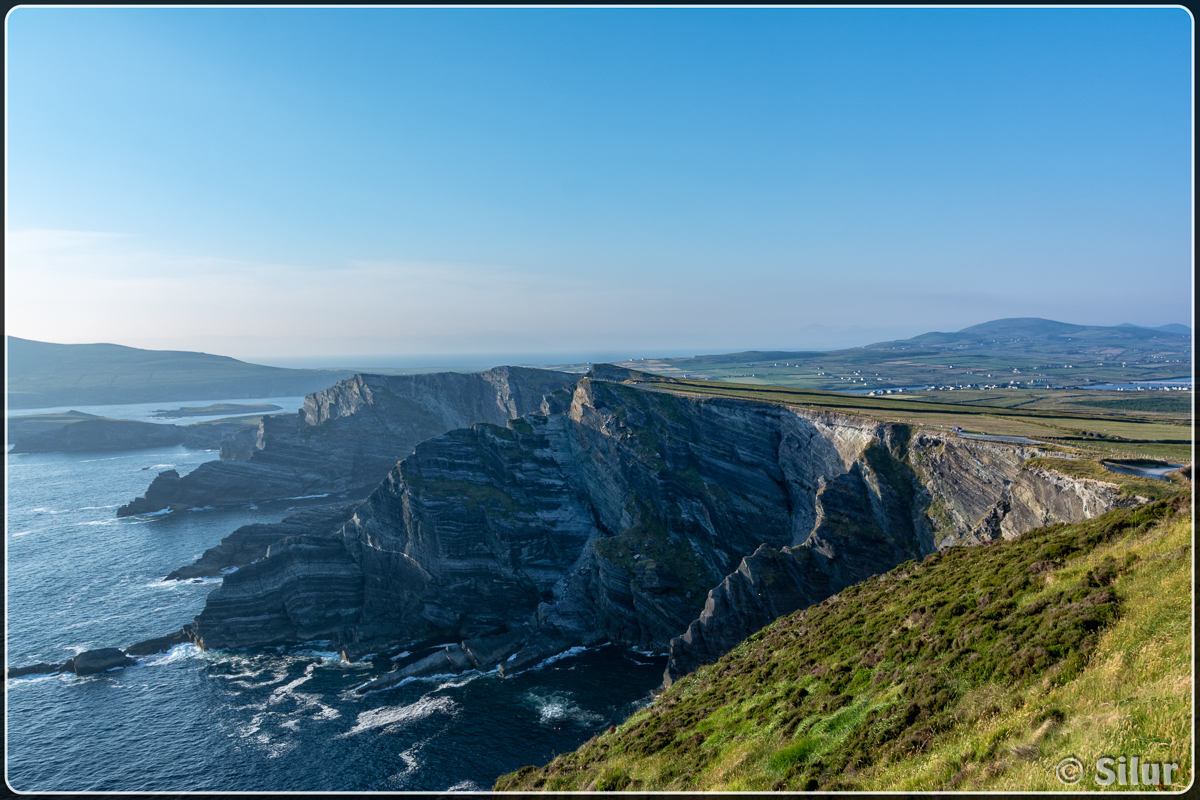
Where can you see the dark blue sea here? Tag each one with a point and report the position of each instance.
(284, 719)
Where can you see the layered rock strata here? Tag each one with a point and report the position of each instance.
(611, 515)
(251, 542)
(347, 437)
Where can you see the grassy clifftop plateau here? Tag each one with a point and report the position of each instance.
(45, 375)
(979, 668)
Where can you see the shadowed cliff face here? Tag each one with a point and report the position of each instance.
(611, 515)
(347, 437)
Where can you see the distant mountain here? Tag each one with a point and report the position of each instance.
(1174, 327)
(44, 375)
(1032, 334)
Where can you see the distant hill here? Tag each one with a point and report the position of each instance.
(45, 375)
(1172, 328)
(1032, 334)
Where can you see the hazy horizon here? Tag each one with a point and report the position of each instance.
(319, 183)
(491, 358)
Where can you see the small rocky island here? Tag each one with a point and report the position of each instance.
(216, 409)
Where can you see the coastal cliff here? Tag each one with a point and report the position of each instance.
(347, 437)
(626, 514)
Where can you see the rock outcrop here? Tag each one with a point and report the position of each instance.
(101, 660)
(614, 512)
(347, 437)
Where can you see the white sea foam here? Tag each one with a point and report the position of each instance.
(25, 680)
(459, 680)
(401, 715)
(99, 508)
(278, 694)
(20, 533)
(327, 713)
(161, 466)
(184, 581)
(100, 522)
(574, 651)
(558, 708)
(401, 655)
(156, 513)
(650, 653)
(279, 677)
(179, 652)
(466, 786)
(201, 508)
(307, 496)
(411, 763)
(275, 749)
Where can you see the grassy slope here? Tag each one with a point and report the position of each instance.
(979, 668)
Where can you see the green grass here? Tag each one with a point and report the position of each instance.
(1171, 403)
(1130, 484)
(647, 539)
(978, 668)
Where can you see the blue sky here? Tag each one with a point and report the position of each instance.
(267, 183)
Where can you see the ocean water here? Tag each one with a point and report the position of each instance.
(282, 719)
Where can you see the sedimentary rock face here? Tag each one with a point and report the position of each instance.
(612, 514)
